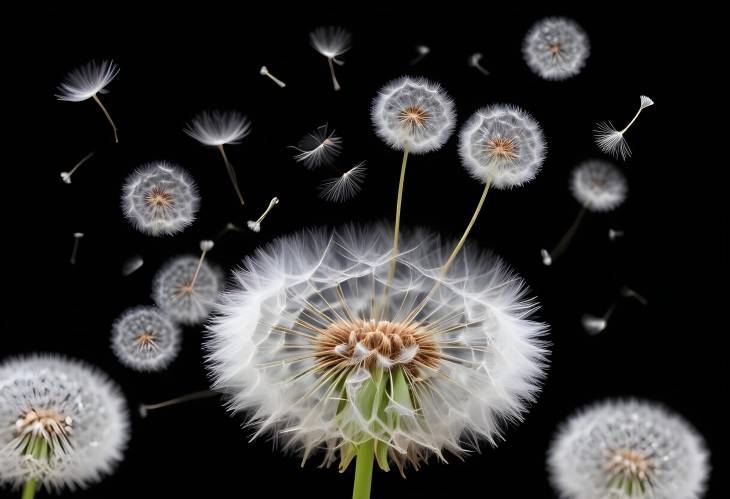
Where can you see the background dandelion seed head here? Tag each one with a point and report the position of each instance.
(144, 339)
(556, 48)
(171, 289)
(598, 185)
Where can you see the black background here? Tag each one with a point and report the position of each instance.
(175, 65)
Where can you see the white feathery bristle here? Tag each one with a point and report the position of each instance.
(611, 141)
(344, 187)
(217, 128)
(330, 41)
(318, 148)
(593, 324)
(547, 260)
(254, 226)
(131, 265)
(646, 101)
(66, 177)
(206, 245)
(87, 81)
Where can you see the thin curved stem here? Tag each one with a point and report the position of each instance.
(108, 117)
(332, 72)
(568, 236)
(363, 471)
(29, 489)
(202, 394)
(632, 121)
(231, 173)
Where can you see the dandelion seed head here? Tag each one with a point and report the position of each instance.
(598, 185)
(301, 345)
(160, 199)
(330, 41)
(86, 81)
(414, 113)
(63, 423)
(556, 48)
(628, 450)
(502, 143)
(217, 128)
(318, 148)
(344, 187)
(144, 339)
(173, 293)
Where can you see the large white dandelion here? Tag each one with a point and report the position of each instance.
(160, 199)
(503, 145)
(318, 343)
(63, 423)
(556, 48)
(628, 450)
(144, 339)
(186, 287)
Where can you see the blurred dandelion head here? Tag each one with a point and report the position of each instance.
(504, 144)
(628, 450)
(556, 48)
(87, 81)
(318, 345)
(330, 41)
(598, 185)
(318, 148)
(183, 300)
(62, 422)
(160, 199)
(217, 128)
(413, 113)
(144, 339)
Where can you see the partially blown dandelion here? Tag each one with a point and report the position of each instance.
(186, 288)
(318, 148)
(628, 450)
(218, 128)
(160, 199)
(331, 42)
(599, 187)
(63, 423)
(344, 187)
(612, 141)
(86, 82)
(556, 48)
(144, 339)
(301, 345)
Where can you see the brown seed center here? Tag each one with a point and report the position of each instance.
(412, 117)
(146, 339)
(159, 198)
(555, 49)
(631, 464)
(503, 148)
(48, 420)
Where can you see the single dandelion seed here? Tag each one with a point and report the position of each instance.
(344, 187)
(86, 82)
(556, 48)
(331, 42)
(265, 72)
(66, 176)
(63, 424)
(318, 148)
(144, 409)
(422, 51)
(614, 234)
(230, 227)
(75, 250)
(145, 340)
(628, 449)
(612, 141)
(186, 288)
(160, 199)
(594, 324)
(256, 225)
(219, 128)
(299, 346)
(599, 187)
(475, 61)
(131, 265)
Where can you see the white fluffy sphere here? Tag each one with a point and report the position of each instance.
(144, 339)
(556, 48)
(598, 185)
(171, 289)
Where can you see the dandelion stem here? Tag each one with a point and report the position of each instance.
(565, 240)
(29, 489)
(178, 400)
(332, 72)
(108, 117)
(197, 269)
(231, 173)
(83, 160)
(272, 203)
(363, 471)
(632, 121)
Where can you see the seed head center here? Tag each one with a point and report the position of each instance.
(503, 148)
(630, 464)
(413, 116)
(44, 421)
(146, 339)
(159, 198)
(555, 49)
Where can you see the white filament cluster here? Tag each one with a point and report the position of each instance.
(628, 450)
(598, 185)
(144, 339)
(78, 413)
(556, 48)
(171, 289)
(485, 354)
(217, 128)
(87, 81)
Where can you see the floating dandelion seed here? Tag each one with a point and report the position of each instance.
(186, 288)
(475, 62)
(344, 187)
(63, 423)
(66, 176)
(594, 324)
(423, 51)
(160, 199)
(218, 128)
(318, 148)
(599, 187)
(131, 265)
(87, 82)
(144, 339)
(612, 141)
(256, 225)
(230, 227)
(299, 345)
(75, 250)
(614, 234)
(502, 145)
(144, 409)
(331, 42)
(628, 450)
(265, 72)
(556, 48)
